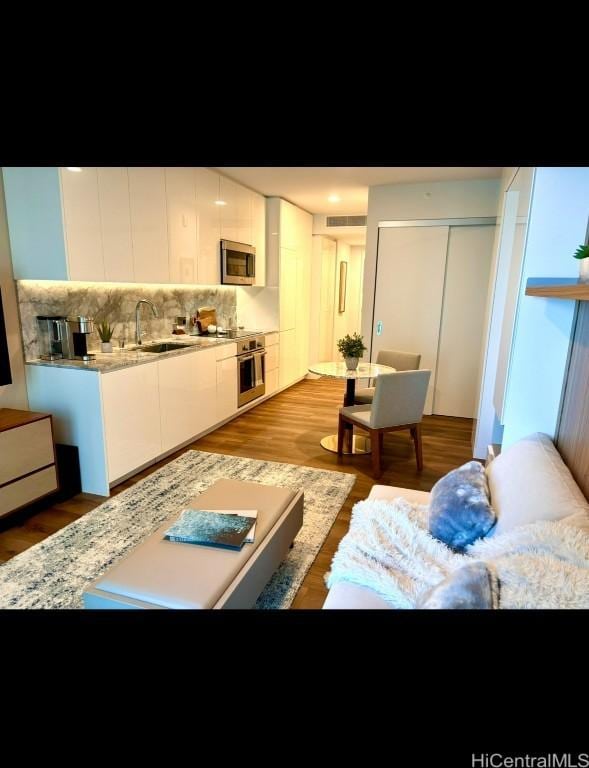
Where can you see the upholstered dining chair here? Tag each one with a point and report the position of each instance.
(401, 361)
(399, 399)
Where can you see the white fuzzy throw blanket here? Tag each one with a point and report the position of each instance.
(389, 549)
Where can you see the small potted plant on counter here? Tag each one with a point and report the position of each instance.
(352, 348)
(105, 331)
(582, 253)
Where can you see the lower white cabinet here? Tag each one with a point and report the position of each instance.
(178, 415)
(226, 388)
(272, 363)
(131, 417)
(125, 419)
(288, 357)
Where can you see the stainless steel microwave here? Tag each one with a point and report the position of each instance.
(238, 263)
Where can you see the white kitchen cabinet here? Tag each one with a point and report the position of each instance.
(181, 210)
(259, 236)
(287, 370)
(272, 363)
(244, 216)
(226, 388)
(115, 219)
(208, 215)
(131, 414)
(149, 225)
(229, 193)
(288, 288)
(81, 214)
(54, 223)
(177, 403)
(288, 266)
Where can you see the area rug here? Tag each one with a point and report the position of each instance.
(55, 572)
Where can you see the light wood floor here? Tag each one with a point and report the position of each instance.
(288, 428)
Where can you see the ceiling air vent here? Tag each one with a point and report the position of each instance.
(345, 221)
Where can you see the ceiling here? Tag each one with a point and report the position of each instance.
(310, 186)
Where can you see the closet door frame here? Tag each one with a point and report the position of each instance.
(458, 222)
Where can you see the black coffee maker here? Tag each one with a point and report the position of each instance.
(79, 328)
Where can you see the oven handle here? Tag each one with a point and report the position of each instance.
(258, 368)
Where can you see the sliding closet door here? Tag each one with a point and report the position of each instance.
(461, 333)
(408, 297)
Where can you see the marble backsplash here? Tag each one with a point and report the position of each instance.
(115, 303)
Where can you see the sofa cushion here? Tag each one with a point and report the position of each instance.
(529, 481)
(390, 492)
(472, 586)
(460, 511)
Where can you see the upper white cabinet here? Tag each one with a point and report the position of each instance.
(149, 224)
(229, 197)
(115, 217)
(208, 217)
(82, 225)
(288, 266)
(181, 209)
(259, 236)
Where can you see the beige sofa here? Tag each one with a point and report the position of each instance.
(527, 482)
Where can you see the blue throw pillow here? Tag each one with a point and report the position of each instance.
(472, 586)
(460, 511)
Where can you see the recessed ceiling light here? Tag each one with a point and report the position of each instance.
(220, 202)
(73, 168)
(334, 198)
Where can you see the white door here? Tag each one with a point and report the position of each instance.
(115, 215)
(181, 207)
(468, 266)
(149, 224)
(408, 297)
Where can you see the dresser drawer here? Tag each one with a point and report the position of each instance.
(26, 490)
(24, 449)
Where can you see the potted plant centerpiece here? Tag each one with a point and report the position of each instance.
(352, 348)
(582, 253)
(105, 331)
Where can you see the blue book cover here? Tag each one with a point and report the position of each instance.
(211, 529)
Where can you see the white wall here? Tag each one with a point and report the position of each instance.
(487, 429)
(12, 395)
(557, 225)
(436, 200)
(349, 321)
(257, 308)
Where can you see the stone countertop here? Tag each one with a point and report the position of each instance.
(105, 362)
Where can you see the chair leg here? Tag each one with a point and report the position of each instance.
(340, 435)
(416, 435)
(376, 445)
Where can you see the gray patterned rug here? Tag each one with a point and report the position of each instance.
(54, 573)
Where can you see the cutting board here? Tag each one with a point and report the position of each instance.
(206, 316)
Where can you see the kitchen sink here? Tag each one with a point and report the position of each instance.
(165, 347)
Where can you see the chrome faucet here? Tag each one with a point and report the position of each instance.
(137, 326)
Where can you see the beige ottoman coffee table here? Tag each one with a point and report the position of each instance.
(164, 574)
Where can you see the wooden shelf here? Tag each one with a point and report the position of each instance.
(558, 288)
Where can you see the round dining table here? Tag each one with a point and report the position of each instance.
(352, 443)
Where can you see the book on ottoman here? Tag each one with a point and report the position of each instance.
(213, 528)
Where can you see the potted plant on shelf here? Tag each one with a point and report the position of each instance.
(582, 253)
(105, 331)
(352, 348)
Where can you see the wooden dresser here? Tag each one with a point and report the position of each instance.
(27, 458)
